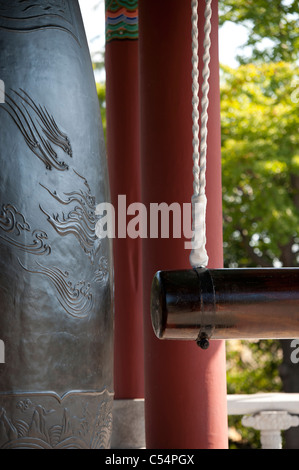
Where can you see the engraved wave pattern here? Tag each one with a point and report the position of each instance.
(13, 223)
(75, 298)
(39, 129)
(80, 221)
(28, 16)
(33, 8)
(102, 273)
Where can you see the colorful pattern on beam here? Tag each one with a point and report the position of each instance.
(121, 19)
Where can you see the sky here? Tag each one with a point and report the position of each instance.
(231, 36)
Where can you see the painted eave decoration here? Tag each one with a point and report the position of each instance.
(121, 19)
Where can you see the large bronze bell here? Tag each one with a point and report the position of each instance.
(56, 294)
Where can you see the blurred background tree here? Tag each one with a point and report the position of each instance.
(273, 28)
(260, 158)
(260, 154)
(101, 91)
(260, 167)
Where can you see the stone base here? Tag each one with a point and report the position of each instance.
(128, 430)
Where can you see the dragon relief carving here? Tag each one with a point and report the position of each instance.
(75, 297)
(80, 221)
(39, 129)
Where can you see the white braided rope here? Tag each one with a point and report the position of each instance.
(195, 98)
(198, 256)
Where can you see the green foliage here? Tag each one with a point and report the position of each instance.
(98, 60)
(101, 91)
(260, 138)
(244, 365)
(276, 21)
(253, 367)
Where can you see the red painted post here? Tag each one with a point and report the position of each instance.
(185, 387)
(122, 101)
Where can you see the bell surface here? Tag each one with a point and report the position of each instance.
(56, 276)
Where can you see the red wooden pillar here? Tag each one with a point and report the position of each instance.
(185, 387)
(122, 101)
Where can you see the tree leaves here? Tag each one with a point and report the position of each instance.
(260, 156)
(273, 27)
